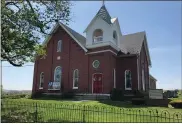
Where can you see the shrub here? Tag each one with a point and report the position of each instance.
(176, 103)
(68, 95)
(20, 115)
(138, 94)
(37, 94)
(138, 101)
(116, 95)
(13, 96)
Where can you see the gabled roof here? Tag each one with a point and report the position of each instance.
(78, 36)
(133, 43)
(81, 40)
(152, 77)
(103, 14)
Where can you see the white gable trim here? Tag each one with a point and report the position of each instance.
(147, 51)
(117, 23)
(74, 38)
(49, 36)
(92, 22)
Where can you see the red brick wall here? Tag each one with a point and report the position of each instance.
(106, 65)
(126, 63)
(143, 59)
(72, 57)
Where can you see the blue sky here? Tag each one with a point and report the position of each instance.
(160, 20)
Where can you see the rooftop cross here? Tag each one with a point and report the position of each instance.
(102, 2)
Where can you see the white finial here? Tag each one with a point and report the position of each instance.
(102, 2)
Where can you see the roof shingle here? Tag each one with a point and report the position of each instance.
(103, 13)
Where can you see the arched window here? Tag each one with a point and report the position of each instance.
(97, 36)
(115, 38)
(57, 74)
(75, 78)
(128, 82)
(143, 80)
(114, 77)
(59, 46)
(41, 80)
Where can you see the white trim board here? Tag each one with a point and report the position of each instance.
(101, 52)
(102, 44)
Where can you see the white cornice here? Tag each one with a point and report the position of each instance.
(102, 51)
(102, 44)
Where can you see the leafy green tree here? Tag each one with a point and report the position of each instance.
(180, 94)
(24, 23)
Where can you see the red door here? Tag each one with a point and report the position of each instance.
(97, 83)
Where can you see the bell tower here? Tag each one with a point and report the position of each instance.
(102, 30)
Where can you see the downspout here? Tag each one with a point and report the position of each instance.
(88, 75)
(138, 72)
(52, 61)
(69, 64)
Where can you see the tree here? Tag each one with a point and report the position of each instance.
(24, 23)
(179, 94)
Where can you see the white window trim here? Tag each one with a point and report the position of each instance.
(59, 46)
(41, 80)
(114, 77)
(74, 78)
(125, 81)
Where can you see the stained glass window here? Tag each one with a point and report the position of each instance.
(59, 46)
(57, 74)
(128, 83)
(96, 64)
(41, 80)
(75, 78)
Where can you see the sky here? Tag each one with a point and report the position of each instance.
(160, 20)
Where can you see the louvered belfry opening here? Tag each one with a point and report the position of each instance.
(97, 36)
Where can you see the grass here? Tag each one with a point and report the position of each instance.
(91, 111)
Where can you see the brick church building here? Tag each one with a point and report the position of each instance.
(95, 64)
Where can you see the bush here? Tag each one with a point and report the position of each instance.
(68, 95)
(176, 103)
(13, 96)
(138, 94)
(36, 95)
(138, 101)
(116, 95)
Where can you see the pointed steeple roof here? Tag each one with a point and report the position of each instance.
(103, 13)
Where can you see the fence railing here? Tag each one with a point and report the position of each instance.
(44, 112)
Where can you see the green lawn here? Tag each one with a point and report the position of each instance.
(89, 111)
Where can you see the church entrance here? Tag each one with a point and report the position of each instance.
(97, 83)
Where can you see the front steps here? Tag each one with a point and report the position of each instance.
(92, 96)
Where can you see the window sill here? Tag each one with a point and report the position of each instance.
(40, 88)
(75, 87)
(128, 89)
(53, 89)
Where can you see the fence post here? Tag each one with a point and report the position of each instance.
(36, 113)
(157, 116)
(84, 114)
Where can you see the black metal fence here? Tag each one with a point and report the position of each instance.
(44, 112)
